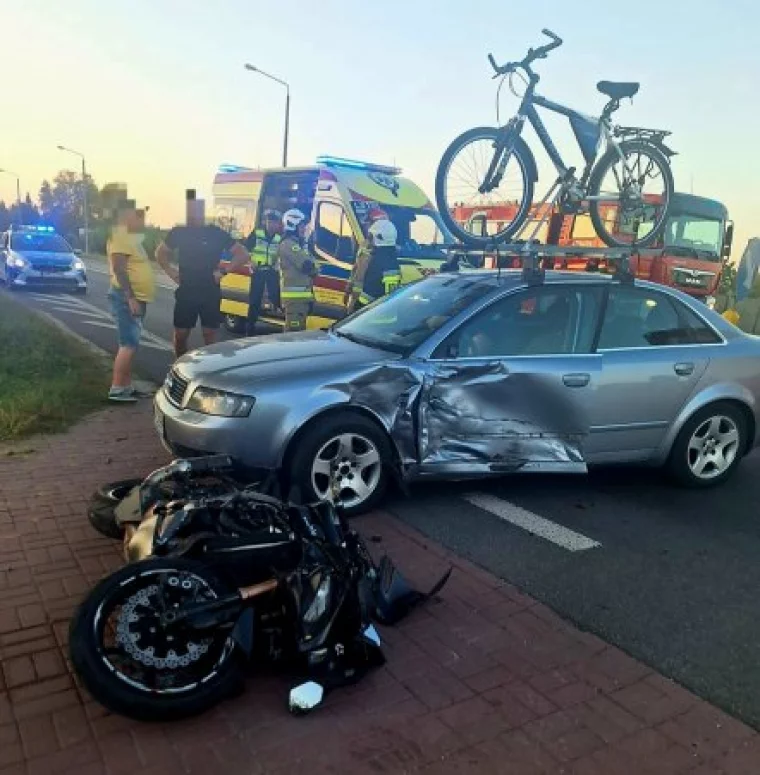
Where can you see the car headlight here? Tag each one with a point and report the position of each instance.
(77, 265)
(220, 403)
(16, 261)
(710, 301)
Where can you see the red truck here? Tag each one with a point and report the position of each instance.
(688, 255)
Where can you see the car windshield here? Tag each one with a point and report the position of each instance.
(44, 243)
(699, 237)
(404, 320)
(420, 232)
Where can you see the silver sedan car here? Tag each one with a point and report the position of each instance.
(477, 374)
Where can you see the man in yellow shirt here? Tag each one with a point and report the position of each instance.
(132, 289)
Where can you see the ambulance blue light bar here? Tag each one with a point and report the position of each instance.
(336, 161)
(27, 228)
(233, 168)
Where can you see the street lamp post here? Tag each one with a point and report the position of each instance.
(84, 196)
(18, 192)
(254, 69)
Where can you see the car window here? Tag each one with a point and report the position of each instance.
(403, 320)
(539, 321)
(696, 330)
(639, 317)
(333, 233)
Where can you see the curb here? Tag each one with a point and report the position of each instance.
(140, 384)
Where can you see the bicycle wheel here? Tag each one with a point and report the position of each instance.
(635, 198)
(499, 213)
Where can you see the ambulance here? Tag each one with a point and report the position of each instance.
(338, 197)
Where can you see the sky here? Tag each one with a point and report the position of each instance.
(155, 94)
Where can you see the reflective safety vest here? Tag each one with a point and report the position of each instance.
(376, 273)
(296, 268)
(264, 250)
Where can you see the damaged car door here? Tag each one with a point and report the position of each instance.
(511, 388)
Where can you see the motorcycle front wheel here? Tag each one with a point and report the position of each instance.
(134, 665)
(631, 204)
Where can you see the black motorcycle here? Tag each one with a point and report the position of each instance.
(227, 576)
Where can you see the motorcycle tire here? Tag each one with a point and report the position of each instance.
(124, 694)
(101, 511)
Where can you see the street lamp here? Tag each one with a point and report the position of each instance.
(287, 107)
(84, 196)
(18, 191)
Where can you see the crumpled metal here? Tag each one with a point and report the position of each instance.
(471, 418)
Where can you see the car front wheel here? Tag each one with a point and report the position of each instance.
(709, 447)
(343, 460)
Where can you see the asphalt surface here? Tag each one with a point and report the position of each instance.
(671, 576)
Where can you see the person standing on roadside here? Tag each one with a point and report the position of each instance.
(132, 289)
(376, 271)
(297, 271)
(263, 244)
(197, 249)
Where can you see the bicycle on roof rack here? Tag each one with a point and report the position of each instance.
(626, 190)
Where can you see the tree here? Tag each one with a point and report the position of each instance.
(62, 203)
(26, 213)
(5, 217)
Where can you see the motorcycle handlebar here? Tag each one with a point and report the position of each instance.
(531, 56)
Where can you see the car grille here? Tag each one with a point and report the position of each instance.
(50, 269)
(175, 387)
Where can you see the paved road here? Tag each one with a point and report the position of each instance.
(671, 576)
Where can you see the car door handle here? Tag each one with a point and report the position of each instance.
(576, 380)
(684, 369)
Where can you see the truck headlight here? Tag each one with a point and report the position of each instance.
(16, 262)
(220, 403)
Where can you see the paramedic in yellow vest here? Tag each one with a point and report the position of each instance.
(297, 271)
(376, 271)
(262, 244)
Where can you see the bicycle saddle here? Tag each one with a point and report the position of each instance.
(616, 90)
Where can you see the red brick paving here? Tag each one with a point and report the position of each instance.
(483, 680)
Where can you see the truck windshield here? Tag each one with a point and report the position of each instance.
(698, 237)
(420, 232)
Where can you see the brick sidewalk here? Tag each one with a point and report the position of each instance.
(484, 680)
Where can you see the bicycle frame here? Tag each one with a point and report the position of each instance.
(588, 133)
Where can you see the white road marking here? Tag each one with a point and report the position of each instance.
(93, 267)
(527, 520)
(101, 319)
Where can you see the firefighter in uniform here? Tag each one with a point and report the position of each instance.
(297, 271)
(262, 244)
(376, 270)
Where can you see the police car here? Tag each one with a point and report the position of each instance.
(35, 256)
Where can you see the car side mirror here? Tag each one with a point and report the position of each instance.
(77, 252)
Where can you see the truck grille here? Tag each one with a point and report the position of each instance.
(175, 387)
(692, 278)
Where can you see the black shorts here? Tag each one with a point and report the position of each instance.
(191, 304)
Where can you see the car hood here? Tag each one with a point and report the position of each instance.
(45, 258)
(276, 356)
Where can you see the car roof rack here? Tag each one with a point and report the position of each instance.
(534, 258)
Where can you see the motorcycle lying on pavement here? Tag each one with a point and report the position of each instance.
(222, 579)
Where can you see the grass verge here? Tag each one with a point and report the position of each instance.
(47, 380)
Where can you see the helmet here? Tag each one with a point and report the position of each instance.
(375, 214)
(383, 234)
(293, 219)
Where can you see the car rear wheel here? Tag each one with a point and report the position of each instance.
(343, 460)
(709, 447)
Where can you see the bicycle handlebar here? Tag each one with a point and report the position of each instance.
(533, 54)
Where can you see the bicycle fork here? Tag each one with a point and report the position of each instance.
(503, 147)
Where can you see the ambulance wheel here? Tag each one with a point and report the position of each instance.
(234, 324)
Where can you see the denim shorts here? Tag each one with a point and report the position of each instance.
(128, 326)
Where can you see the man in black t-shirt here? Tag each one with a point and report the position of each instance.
(197, 249)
